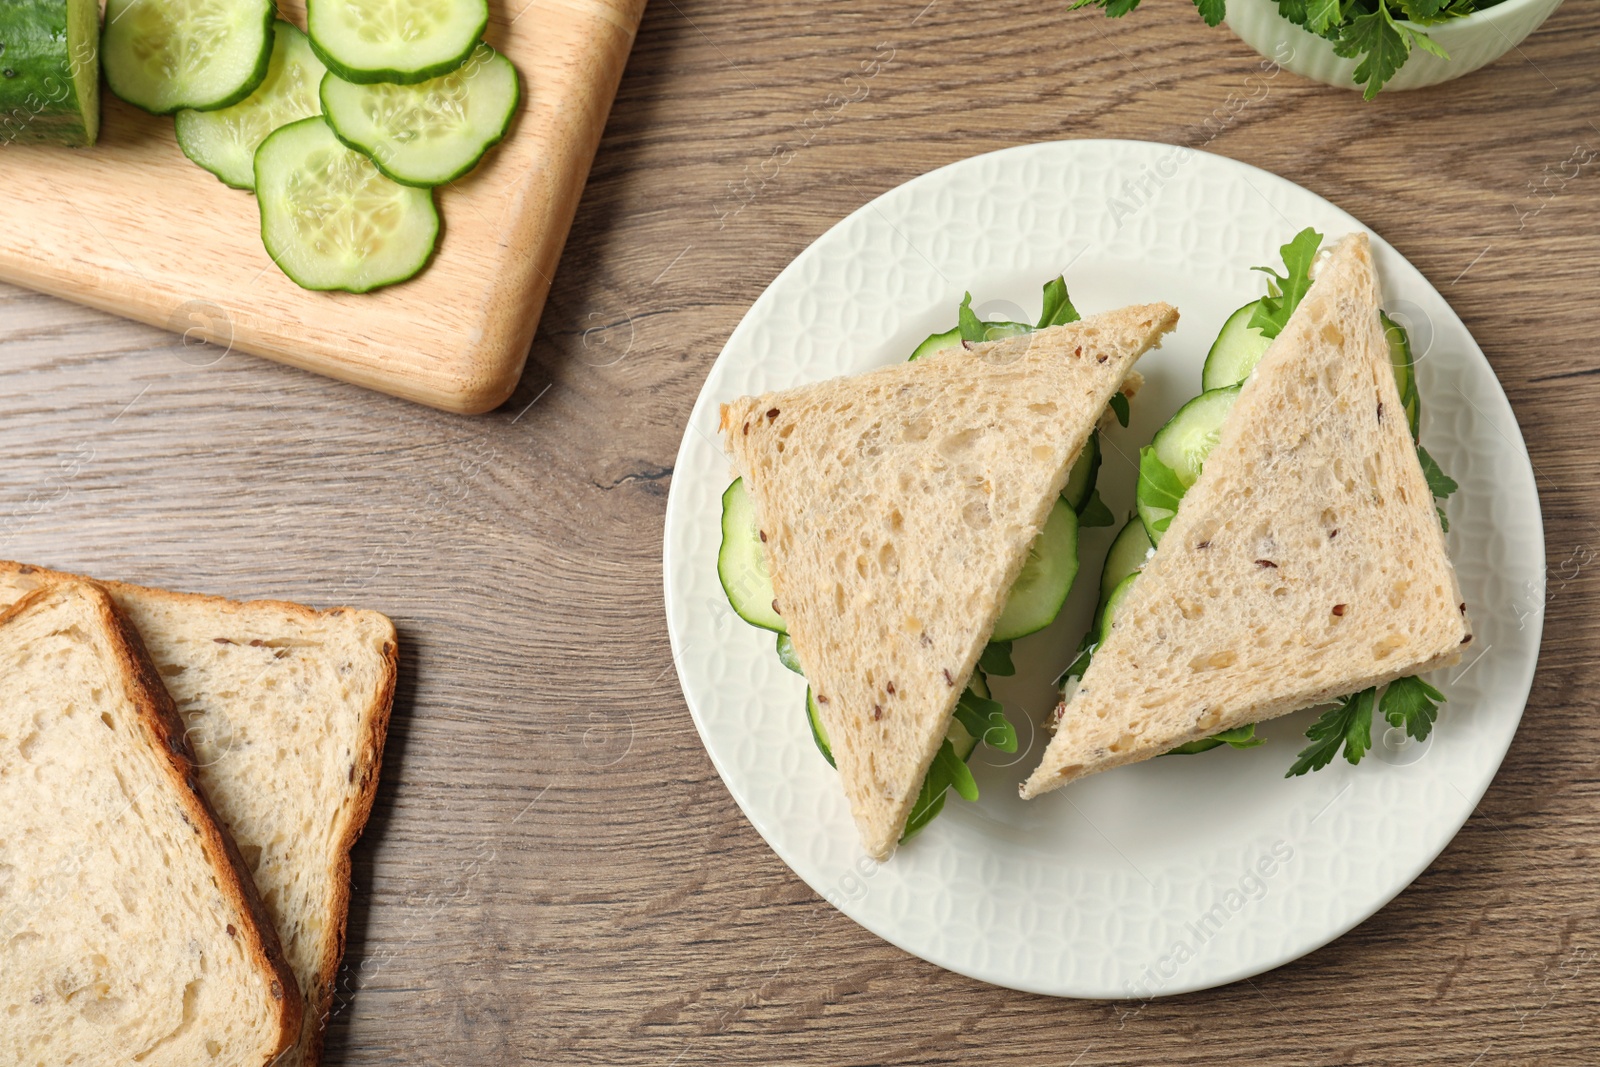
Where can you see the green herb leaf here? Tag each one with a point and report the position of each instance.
(1212, 10)
(1095, 512)
(1412, 703)
(1347, 723)
(986, 720)
(1119, 407)
(930, 802)
(972, 329)
(1160, 490)
(996, 659)
(955, 769)
(1320, 14)
(1383, 48)
(1440, 484)
(1086, 649)
(1285, 293)
(1239, 737)
(1058, 309)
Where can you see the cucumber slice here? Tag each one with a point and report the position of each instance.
(992, 331)
(166, 55)
(1172, 462)
(50, 72)
(786, 655)
(1108, 614)
(819, 732)
(1405, 371)
(331, 221)
(1236, 351)
(1127, 557)
(1081, 479)
(742, 564)
(225, 141)
(1046, 578)
(1189, 436)
(431, 132)
(399, 41)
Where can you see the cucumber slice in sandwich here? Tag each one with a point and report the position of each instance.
(431, 132)
(1175, 457)
(331, 221)
(225, 141)
(50, 72)
(1125, 558)
(1080, 482)
(742, 565)
(399, 41)
(1306, 558)
(1236, 351)
(1405, 372)
(167, 55)
(992, 331)
(899, 506)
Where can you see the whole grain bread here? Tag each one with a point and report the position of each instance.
(287, 709)
(1306, 562)
(898, 507)
(131, 931)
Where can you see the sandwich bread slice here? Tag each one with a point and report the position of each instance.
(130, 931)
(287, 709)
(896, 508)
(1305, 563)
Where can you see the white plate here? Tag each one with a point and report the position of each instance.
(1178, 873)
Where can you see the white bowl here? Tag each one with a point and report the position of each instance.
(1479, 38)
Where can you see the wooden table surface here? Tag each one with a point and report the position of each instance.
(554, 873)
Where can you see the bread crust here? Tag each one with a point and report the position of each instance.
(166, 731)
(369, 759)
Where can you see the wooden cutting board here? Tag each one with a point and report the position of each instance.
(133, 227)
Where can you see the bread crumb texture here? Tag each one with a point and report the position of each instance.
(898, 507)
(119, 939)
(1305, 563)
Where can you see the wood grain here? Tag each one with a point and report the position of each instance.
(554, 873)
(133, 227)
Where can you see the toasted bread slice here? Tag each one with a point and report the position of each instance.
(131, 931)
(287, 709)
(898, 508)
(1306, 562)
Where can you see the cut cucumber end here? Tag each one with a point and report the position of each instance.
(397, 41)
(1081, 479)
(167, 55)
(1046, 579)
(224, 141)
(331, 221)
(50, 92)
(431, 132)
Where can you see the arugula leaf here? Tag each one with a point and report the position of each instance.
(1440, 484)
(1285, 293)
(1383, 48)
(1095, 512)
(930, 800)
(1212, 10)
(972, 328)
(1347, 723)
(1119, 405)
(986, 720)
(956, 771)
(996, 659)
(1160, 490)
(1412, 703)
(1320, 14)
(1058, 309)
(1444, 520)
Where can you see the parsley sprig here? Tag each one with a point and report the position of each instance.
(1382, 33)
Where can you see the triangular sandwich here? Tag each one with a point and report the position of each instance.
(1305, 563)
(896, 510)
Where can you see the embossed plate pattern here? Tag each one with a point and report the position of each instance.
(1182, 872)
